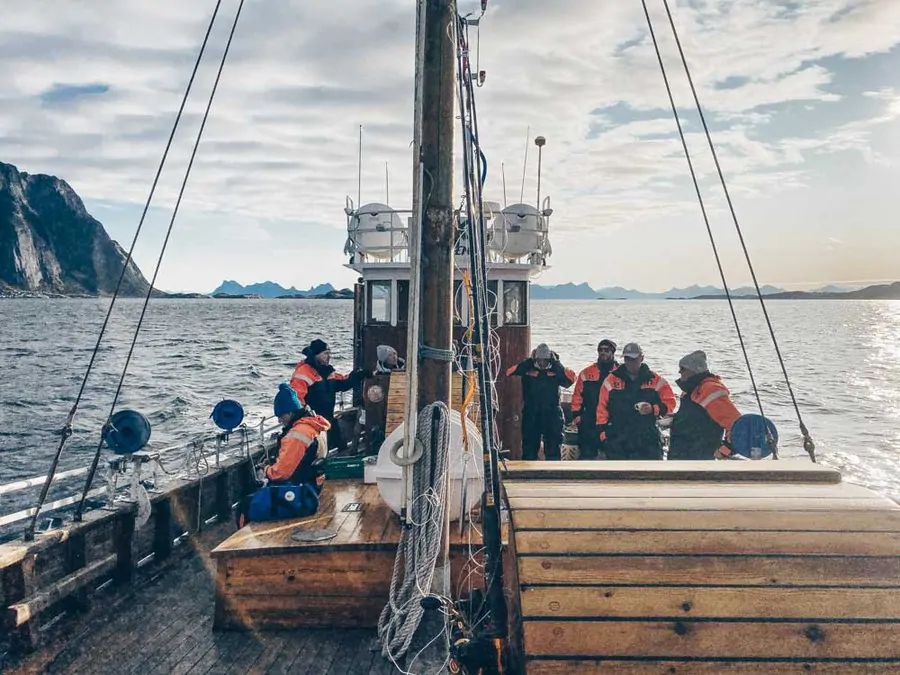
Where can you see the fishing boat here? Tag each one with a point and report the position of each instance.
(434, 549)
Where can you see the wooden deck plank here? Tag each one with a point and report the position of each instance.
(374, 528)
(664, 667)
(710, 602)
(165, 626)
(785, 470)
(710, 570)
(709, 491)
(772, 504)
(290, 653)
(666, 639)
(269, 655)
(686, 542)
(719, 519)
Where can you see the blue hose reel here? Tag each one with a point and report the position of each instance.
(228, 415)
(749, 438)
(127, 432)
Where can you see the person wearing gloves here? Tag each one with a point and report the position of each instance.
(586, 397)
(632, 399)
(542, 418)
(293, 482)
(316, 382)
(701, 429)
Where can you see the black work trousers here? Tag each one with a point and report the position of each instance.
(543, 424)
(589, 444)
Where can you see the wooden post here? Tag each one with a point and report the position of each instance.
(162, 530)
(123, 536)
(437, 236)
(438, 228)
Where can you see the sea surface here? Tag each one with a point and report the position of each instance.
(843, 359)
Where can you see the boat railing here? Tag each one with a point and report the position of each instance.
(68, 567)
(380, 241)
(214, 447)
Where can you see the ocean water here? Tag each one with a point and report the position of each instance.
(843, 358)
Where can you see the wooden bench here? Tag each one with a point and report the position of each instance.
(267, 580)
(700, 567)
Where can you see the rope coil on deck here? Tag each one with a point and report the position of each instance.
(420, 543)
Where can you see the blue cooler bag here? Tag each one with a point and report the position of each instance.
(280, 502)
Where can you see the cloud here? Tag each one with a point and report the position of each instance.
(89, 92)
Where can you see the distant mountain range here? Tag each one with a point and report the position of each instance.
(878, 292)
(269, 289)
(584, 291)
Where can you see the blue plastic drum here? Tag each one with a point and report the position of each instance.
(748, 436)
(129, 431)
(228, 414)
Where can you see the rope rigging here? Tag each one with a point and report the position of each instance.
(475, 174)
(808, 443)
(80, 509)
(66, 431)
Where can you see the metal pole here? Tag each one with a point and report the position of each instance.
(359, 174)
(540, 142)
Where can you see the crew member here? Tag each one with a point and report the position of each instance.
(542, 418)
(632, 399)
(586, 398)
(316, 383)
(388, 360)
(701, 429)
(301, 448)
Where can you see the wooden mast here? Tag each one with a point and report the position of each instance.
(437, 232)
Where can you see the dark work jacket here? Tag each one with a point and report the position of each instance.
(695, 434)
(540, 387)
(316, 386)
(624, 426)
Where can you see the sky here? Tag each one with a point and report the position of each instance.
(802, 100)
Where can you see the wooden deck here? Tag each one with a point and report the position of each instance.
(658, 568)
(165, 626)
(267, 580)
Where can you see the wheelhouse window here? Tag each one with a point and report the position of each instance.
(514, 303)
(402, 302)
(378, 301)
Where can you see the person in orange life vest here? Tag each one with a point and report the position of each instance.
(701, 429)
(586, 397)
(316, 383)
(300, 448)
(632, 399)
(542, 376)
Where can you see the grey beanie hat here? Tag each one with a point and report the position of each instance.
(695, 362)
(542, 352)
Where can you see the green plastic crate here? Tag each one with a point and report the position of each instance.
(337, 468)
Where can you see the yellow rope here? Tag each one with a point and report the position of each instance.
(470, 377)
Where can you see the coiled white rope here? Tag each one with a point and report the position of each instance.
(421, 540)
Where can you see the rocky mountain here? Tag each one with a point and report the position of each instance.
(563, 292)
(49, 243)
(269, 289)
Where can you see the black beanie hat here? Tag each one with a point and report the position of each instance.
(315, 348)
(606, 343)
